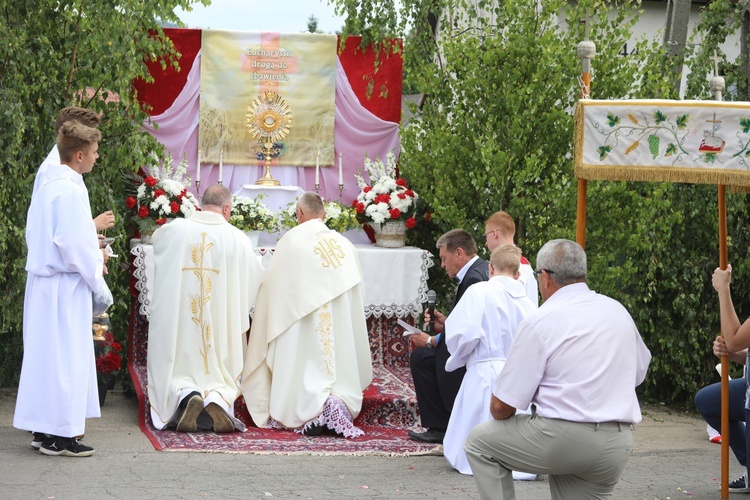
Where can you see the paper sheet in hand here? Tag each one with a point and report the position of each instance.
(410, 330)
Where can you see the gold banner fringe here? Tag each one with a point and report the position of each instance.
(733, 178)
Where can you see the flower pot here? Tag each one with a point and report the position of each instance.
(146, 237)
(254, 237)
(391, 234)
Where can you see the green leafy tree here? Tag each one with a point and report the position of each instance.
(59, 53)
(495, 131)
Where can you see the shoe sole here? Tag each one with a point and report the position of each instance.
(37, 445)
(66, 453)
(222, 422)
(189, 420)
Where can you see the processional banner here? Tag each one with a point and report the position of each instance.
(705, 142)
(238, 66)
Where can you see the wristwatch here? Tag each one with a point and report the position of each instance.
(429, 343)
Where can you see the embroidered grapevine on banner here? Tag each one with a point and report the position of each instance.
(653, 132)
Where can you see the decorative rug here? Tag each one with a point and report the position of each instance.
(389, 410)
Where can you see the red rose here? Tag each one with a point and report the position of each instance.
(409, 192)
(402, 196)
(410, 222)
(395, 213)
(360, 208)
(400, 182)
(143, 212)
(175, 207)
(130, 202)
(383, 198)
(354, 202)
(159, 192)
(161, 222)
(367, 189)
(150, 181)
(116, 346)
(427, 216)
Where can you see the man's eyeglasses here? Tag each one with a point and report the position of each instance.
(539, 271)
(488, 232)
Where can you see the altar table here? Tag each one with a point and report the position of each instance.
(395, 282)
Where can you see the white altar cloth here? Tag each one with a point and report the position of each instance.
(395, 278)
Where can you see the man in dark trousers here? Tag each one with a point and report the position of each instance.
(437, 389)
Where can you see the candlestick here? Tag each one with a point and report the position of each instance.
(317, 170)
(221, 167)
(198, 170)
(341, 172)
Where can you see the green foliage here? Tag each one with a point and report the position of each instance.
(49, 51)
(496, 132)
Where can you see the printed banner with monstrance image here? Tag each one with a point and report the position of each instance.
(706, 142)
(238, 67)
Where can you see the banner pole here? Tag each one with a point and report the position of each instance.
(586, 52)
(717, 87)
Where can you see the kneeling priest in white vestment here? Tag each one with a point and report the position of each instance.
(308, 358)
(206, 278)
(483, 325)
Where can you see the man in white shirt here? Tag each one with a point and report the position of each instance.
(499, 229)
(578, 359)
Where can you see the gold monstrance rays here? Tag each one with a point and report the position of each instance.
(269, 119)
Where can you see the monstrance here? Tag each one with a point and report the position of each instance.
(269, 120)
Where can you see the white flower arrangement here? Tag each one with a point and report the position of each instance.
(162, 195)
(250, 214)
(386, 198)
(338, 217)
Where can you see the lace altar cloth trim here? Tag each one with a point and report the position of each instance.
(411, 266)
(335, 416)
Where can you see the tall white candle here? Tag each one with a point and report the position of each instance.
(341, 172)
(198, 169)
(221, 166)
(317, 169)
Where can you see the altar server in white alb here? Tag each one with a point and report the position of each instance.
(500, 229)
(308, 359)
(206, 278)
(58, 389)
(483, 325)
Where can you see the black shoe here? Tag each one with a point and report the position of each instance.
(188, 410)
(38, 439)
(429, 436)
(65, 447)
(739, 485)
(314, 430)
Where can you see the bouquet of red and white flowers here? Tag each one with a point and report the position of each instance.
(162, 195)
(387, 198)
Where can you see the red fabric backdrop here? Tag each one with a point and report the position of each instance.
(359, 66)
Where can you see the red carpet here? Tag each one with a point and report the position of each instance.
(388, 412)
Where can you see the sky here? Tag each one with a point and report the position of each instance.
(284, 16)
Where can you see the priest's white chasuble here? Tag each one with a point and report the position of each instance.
(206, 278)
(309, 335)
(58, 389)
(482, 325)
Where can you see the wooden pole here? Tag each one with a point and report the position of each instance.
(723, 258)
(586, 51)
(717, 87)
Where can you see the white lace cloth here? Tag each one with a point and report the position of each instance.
(335, 416)
(395, 278)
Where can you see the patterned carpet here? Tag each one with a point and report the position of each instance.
(388, 412)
